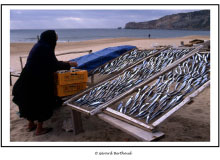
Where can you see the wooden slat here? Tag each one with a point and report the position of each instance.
(167, 69)
(177, 107)
(136, 132)
(128, 119)
(74, 52)
(60, 54)
(15, 74)
(80, 109)
(65, 53)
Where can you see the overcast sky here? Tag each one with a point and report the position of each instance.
(54, 19)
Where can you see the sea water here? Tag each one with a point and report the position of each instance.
(72, 35)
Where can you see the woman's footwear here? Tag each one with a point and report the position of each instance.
(43, 131)
(29, 129)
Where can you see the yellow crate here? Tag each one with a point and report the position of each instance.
(71, 76)
(69, 89)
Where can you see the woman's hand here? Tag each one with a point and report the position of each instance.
(73, 64)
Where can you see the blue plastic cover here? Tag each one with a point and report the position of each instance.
(96, 59)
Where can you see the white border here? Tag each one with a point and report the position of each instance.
(6, 89)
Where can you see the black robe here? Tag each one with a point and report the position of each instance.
(34, 90)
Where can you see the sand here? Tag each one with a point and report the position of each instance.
(190, 123)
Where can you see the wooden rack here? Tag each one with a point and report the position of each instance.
(75, 97)
(138, 129)
(132, 90)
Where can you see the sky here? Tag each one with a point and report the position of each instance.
(55, 19)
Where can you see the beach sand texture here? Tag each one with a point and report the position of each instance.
(190, 123)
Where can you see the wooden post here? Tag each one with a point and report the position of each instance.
(10, 80)
(92, 76)
(77, 122)
(21, 63)
(92, 79)
(182, 43)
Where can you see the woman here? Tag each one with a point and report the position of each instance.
(34, 90)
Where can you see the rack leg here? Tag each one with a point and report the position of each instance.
(10, 80)
(77, 122)
(92, 79)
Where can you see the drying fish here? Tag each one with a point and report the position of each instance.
(120, 106)
(184, 78)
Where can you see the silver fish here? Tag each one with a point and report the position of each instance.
(182, 86)
(137, 95)
(96, 103)
(128, 103)
(145, 87)
(120, 106)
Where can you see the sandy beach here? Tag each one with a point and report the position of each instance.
(190, 123)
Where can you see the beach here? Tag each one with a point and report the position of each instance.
(190, 123)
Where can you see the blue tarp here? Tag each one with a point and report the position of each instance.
(96, 59)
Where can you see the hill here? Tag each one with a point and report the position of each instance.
(198, 20)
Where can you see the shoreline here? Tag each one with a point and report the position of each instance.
(22, 49)
(132, 38)
(77, 44)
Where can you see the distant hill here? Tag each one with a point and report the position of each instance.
(198, 20)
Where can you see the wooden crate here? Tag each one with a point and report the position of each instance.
(65, 77)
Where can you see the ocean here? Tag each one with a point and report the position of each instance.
(73, 35)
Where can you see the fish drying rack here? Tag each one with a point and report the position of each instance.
(109, 106)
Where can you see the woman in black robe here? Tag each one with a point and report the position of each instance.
(34, 90)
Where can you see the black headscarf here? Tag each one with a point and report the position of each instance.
(49, 37)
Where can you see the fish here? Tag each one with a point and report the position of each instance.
(144, 88)
(163, 98)
(153, 103)
(182, 86)
(148, 118)
(170, 104)
(155, 115)
(203, 69)
(204, 80)
(134, 109)
(137, 95)
(143, 106)
(141, 113)
(120, 106)
(177, 85)
(96, 103)
(138, 81)
(121, 109)
(127, 104)
(81, 99)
